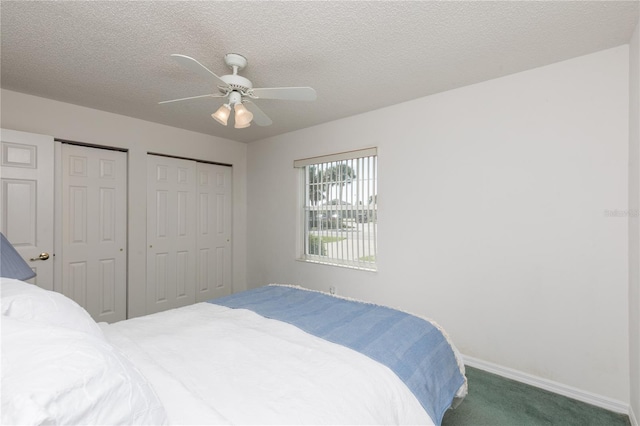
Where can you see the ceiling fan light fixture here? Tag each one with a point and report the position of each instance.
(235, 87)
(222, 114)
(243, 116)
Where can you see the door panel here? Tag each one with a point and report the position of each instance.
(214, 231)
(94, 234)
(171, 251)
(26, 194)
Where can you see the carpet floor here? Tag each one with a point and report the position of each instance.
(496, 401)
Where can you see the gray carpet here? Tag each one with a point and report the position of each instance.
(496, 401)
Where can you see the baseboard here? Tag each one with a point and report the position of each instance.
(551, 386)
(632, 417)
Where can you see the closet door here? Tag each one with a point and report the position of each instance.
(213, 231)
(171, 232)
(94, 230)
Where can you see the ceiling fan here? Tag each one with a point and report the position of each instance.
(240, 92)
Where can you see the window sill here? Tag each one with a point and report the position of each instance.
(372, 268)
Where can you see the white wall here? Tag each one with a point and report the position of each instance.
(491, 217)
(634, 224)
(71, 122)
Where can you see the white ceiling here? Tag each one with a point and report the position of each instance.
(359, 56)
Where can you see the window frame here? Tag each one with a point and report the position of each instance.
(366, 213)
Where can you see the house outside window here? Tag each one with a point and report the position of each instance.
(339, 209)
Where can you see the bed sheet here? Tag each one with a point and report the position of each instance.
(213, 365)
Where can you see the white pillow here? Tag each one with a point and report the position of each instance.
(56, 375)
(29, 302)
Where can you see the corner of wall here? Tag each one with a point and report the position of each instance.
(634, 225)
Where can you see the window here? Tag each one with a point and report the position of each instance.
(339, 208)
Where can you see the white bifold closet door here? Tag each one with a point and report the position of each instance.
(171, 233)
(188, 232)
(94, 230)
(213, 228)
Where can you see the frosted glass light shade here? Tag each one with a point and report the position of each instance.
(243, 116)
(222, 114)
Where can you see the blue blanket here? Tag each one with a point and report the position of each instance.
(411, 347)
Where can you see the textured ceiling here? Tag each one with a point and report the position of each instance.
(359, 56)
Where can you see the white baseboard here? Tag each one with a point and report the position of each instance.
(632, 417)
(555, 387)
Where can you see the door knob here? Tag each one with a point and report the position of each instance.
(43, 256)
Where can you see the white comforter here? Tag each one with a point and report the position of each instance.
(213, 365)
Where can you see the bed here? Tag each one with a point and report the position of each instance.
(273, 355)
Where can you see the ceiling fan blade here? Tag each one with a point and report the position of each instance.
(259, 117)
(198, 68)
(285, 93)
(193, 97)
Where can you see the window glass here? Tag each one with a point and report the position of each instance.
(340, 209)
